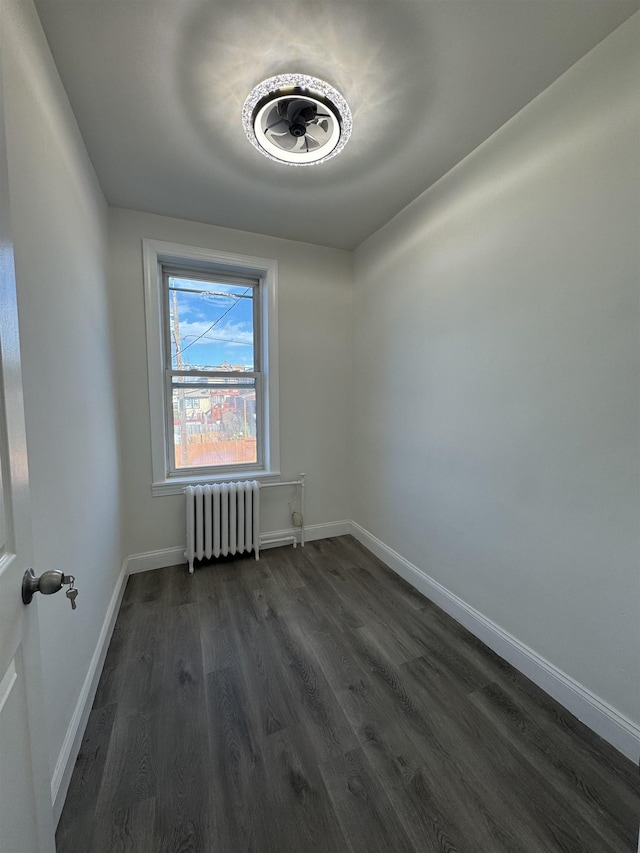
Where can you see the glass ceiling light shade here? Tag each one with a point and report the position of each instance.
(296, 119)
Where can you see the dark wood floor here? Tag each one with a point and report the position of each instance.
(313, 701)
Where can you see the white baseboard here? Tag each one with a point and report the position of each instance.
(327, 531)
(73, 739)
(311, 532)
(161, 559)
(593, 711)
(166, 557)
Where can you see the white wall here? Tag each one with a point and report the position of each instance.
(496, 376)
(59, 222)
(314, 319)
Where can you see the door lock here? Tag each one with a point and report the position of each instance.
(48, 583)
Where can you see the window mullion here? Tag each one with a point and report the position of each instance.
(213, 374)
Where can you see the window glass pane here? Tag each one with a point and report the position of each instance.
(211, 325)
(214, 426)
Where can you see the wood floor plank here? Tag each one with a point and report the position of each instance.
(139, 590)
(180, 732)
(75, 829)
(316, 705)
(391, 646)
(127, 640)
(368, 820)
(238, 793)
(603, 807)
(528, 806)
(112, 678)
(400, 633)
(128, 830)
(302, 814)
(435, 818)
(318, 581)
(269, 700)
(142, 662)
(216, 636)
(383, 704)
(130, 768)
(447, 801)
(360, 557)
(178, 587)
(288, 574)
(312, 700)
(421, 632)
(376, 612)
(604, 760)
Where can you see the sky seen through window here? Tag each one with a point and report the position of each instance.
(215, 324)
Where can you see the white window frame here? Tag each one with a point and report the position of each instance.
(156, 254)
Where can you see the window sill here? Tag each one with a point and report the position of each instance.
(177, 485)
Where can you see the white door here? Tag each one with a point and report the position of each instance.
(26, 819)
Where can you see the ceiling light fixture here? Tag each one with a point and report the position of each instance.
(296, 119)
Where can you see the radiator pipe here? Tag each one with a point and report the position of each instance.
(300, 483)
(302, 476)
(292, 539)
(287, 483)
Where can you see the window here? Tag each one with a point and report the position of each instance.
(212, 361)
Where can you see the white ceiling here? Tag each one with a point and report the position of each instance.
(157, 88)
